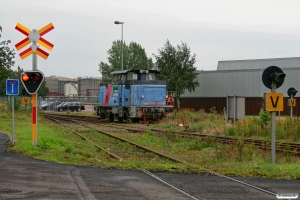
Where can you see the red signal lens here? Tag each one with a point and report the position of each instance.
(25, 77)
(36, 77)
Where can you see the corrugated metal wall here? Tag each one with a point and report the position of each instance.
(247, 83)
(252, 105)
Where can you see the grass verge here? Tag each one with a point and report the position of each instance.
(61, 145)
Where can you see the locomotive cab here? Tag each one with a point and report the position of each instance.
(133, 94)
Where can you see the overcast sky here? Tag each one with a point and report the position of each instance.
(215, 30)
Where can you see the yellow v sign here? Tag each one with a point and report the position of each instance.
(25, 100)
(292, 102)
(274, 102)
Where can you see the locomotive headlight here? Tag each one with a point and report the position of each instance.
(142, 96)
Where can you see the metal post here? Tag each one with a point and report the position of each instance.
(34, 120)
(291, 107)
(13, 119)
(117, 22)
(234, 110)
(122, 46)
(34, 96)
(227, 109)
(273, 147)
(225, 121)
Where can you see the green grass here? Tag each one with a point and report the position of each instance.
(62, 146)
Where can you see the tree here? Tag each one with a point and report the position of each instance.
(176, 65)
(43, 90)
(6, 58)
(134, 57)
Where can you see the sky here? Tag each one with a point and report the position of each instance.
(215, 30)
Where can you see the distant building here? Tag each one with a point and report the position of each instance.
(88, 86)
(81, 86)
(241, 78)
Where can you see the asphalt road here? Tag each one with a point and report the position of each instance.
(22, 177)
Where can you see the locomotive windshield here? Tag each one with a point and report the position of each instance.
(134, 75)
(151, 77)
(118, 77)
(148, 77)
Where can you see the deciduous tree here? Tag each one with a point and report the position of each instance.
(176, 65)
(6, 58)
(134, 57)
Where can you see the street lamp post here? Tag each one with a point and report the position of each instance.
(117, 22)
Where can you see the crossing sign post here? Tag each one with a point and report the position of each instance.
(35, 37)
(12, 89)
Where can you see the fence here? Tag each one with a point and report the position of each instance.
(8, 98)
(87, 100)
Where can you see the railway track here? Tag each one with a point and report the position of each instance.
(281, 147)
(113, 155)
(118, 138)
(189, 194)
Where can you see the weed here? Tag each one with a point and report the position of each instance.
(69, 148)
(230, 132)
(218, 150)
(195, 145)
(240, 148)
(197, 127)
(17, 103)
(249, 152)
(265, 117)
(43, 145)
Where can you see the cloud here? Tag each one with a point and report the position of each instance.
(214, 30)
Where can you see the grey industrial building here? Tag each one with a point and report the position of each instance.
(83, 86)
(242, 78)
(56, 85)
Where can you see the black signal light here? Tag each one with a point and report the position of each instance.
(292, 92)
(32, 81)
(273, 74)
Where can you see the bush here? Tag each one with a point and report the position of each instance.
(230, 132)
(265, 117)
(17, 103)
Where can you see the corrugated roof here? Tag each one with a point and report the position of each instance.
(60, 78)
(290, 62)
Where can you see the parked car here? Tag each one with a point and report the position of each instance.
(43, 104)
(56, 107)
(72, 106)
(50, 105)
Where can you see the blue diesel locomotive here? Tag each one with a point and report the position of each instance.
(135, 95)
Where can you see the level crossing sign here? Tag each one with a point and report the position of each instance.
(34, 37)
(12, 87)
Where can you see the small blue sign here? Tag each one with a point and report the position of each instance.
(12, 87)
